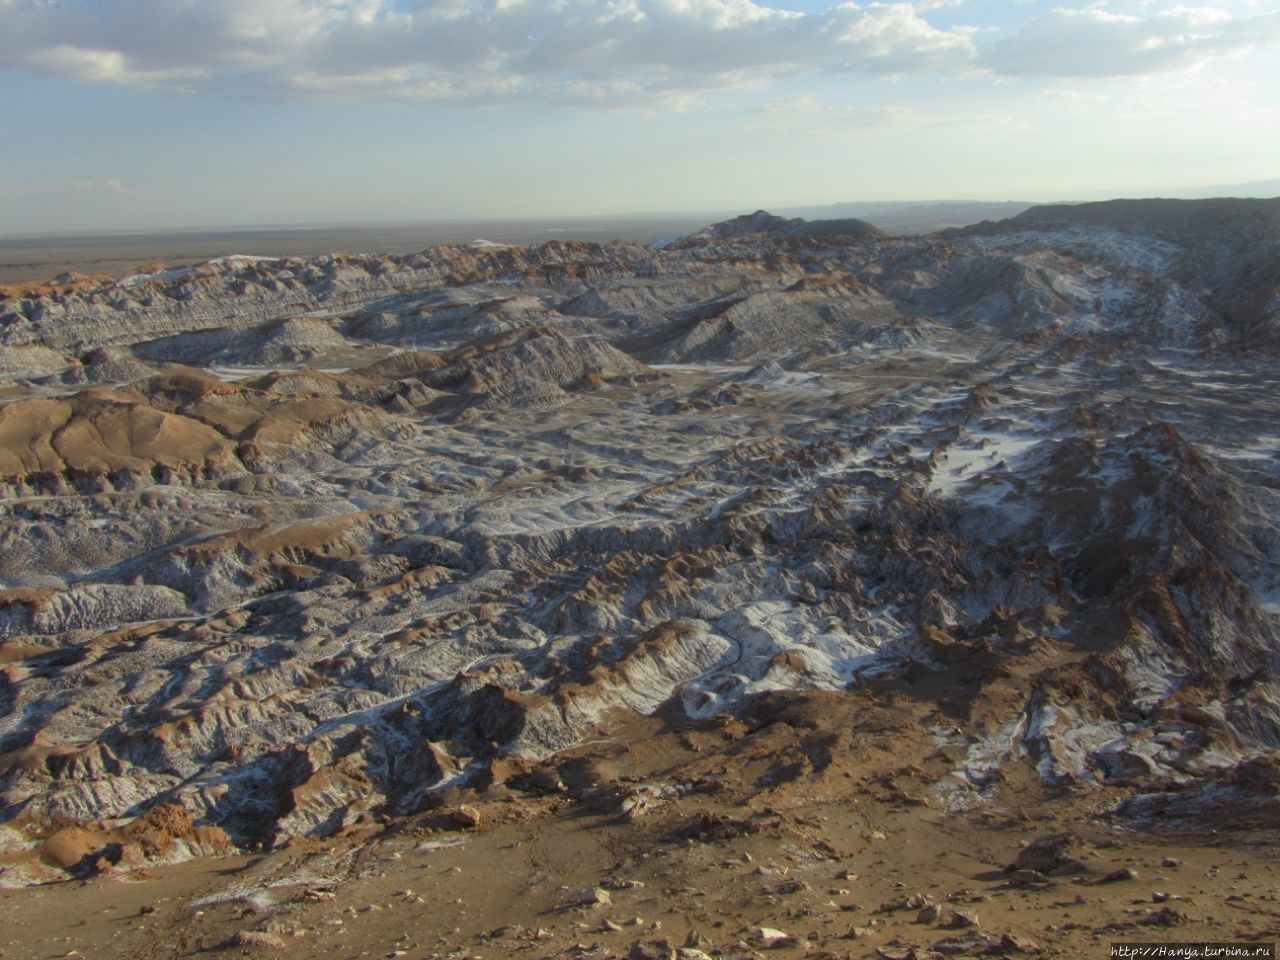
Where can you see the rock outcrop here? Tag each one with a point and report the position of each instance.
(294, 543)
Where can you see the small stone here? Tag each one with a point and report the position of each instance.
(1012, 943)
(1124, 873)
(614, 883)
(1170, 862)
(913, 902)
(929, 914)
(792, 886)
(652, 950)
(962, 919)
(466, 817)
(255, 938)
(1024, 878)
(1054, 853)
(635, 806)
(546, 780)
(596, 897)
(770, 937)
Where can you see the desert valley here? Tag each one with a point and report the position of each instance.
(787, 589)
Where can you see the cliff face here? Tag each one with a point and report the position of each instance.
(288, 542)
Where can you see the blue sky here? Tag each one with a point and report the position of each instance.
(127, 114)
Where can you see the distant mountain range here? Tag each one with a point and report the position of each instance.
(25, 260)
(903, 218)
(764, 223)
(906, 217)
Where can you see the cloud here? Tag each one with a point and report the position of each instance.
(1094, 42)
(570, 51)
(110, 65)
(645, 53)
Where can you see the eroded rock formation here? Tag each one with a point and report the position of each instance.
(286, 542)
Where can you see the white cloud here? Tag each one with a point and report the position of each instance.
(567, 51)
(648, 53)
(109, 65)
(1094, 42)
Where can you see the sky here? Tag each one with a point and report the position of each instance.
(134, 114)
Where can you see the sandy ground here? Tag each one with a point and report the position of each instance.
(750, 826)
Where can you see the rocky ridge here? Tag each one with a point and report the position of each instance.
(292, 544)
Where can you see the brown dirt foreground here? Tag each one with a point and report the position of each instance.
(810, 827)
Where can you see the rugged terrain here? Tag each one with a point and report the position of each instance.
(786, 540)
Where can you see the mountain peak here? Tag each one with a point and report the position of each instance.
(765, 224)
